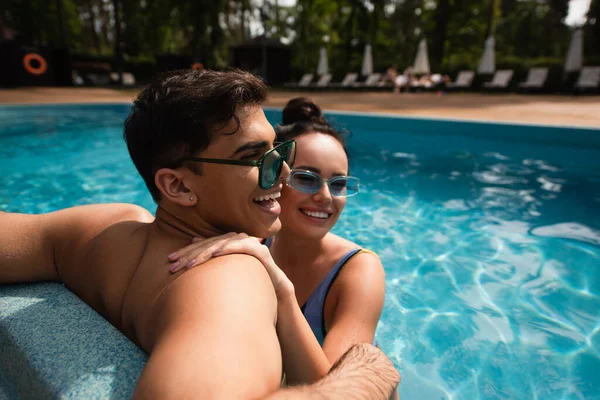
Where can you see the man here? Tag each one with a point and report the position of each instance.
(204, 148)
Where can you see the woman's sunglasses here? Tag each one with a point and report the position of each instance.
(309, 182)
(269, 165)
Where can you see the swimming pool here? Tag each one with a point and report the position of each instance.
(489, 233)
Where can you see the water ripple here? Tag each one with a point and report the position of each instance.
(491, 250)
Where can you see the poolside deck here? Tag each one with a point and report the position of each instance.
(550, 110)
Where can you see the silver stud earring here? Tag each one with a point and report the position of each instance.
(191, 198)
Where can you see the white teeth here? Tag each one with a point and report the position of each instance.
(316, 214)
(273, 196)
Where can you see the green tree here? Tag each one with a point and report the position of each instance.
(440, 34)
(532, 28)
(592, 32)
(37, 21)
(455, 29)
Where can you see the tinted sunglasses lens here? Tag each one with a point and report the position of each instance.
(343, 186)
(290, 153)
(271, 168)
(304, 182)
(272, 163)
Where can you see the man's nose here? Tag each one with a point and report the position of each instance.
(285, 171)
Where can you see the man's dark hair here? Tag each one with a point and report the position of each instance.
(179, 113)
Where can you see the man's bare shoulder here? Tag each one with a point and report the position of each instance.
(239, 274)
(101, 214)
(214, 325)
(229, 282)
(39, 239)
(96, 249)
(229, 294)
(87, 215)
(78, 224)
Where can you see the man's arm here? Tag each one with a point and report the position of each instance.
(303, 358)
(26, 251)
(30, 244)
(363, 372)
(215, 334)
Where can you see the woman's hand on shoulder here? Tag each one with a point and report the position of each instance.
(198, 252)
(202, 250)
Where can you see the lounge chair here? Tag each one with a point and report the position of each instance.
(500, 80)
(464, 79)
(97, 79)
(348, 81)
(589, 79)
(536, 79)
(372, 81)
(128, 78)
(322, 82)
(303, 82)
(76, 78)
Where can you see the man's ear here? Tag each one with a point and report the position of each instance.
(171, 185)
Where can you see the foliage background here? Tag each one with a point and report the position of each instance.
(528, 32)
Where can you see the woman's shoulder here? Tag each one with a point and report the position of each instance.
(359, 270)
(342, 246)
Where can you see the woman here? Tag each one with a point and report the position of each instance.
(339, 286)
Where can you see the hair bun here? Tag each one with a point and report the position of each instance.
(302, 109)
(301, 115)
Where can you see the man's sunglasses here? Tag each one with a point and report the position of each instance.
(269, 165)
(309, 182)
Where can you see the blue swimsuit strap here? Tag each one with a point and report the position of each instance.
(322, 291)
(318, 298)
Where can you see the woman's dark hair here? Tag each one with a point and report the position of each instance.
(302, 109)
(301, 115)
(179, 113)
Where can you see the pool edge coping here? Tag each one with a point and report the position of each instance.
(349, 113)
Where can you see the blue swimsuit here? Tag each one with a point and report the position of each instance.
(314, 308)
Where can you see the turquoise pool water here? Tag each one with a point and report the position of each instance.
(490, 235)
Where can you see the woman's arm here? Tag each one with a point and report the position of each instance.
(358, 293)
(303, 357)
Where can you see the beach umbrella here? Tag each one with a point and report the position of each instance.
(421, 65)
(323, 67)
(487, 64)
(574, 59)
(367, 64)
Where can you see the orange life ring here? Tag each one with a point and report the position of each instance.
(39, 70)
(198, 66)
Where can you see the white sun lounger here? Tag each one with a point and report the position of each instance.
(464, 79)
(323, 81)
(303, 82)
(348, 81)
(128, 78)
(536, 78)
(500, 80)
(589, 78)
(372, 80)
